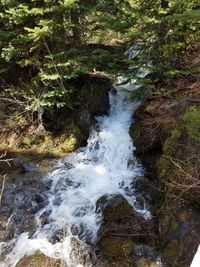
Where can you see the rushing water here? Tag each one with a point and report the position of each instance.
(105, 167)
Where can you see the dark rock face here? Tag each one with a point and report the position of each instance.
(121, 231)
(94, 101)
(95, 94)
(83, 120)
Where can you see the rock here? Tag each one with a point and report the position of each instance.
(3, 234)
(117, 209)
(95, 90)
(38, 260)
(116, 247)
(94, 100)
(28, 224)
(84, 121)
(181, 236)
(143, 262)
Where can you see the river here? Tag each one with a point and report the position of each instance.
(105, 167)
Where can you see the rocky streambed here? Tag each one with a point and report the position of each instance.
(141, 219)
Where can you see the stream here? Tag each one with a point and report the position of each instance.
(105, 167)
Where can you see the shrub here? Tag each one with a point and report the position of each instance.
(175, 134)
(192, 120)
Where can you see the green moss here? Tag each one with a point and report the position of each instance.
(116, 247)
(26, 141)
(38, 140)
(172, 250)
(135, 130)
(143, 262)
(69, 144)
(162, 166)
(184, 215)
(38, 260)
(167, 145)
(19, 119)
(117, 212)
(175, 134)
(72, 139)
(192, 120)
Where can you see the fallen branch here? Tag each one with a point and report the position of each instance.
(5, 160)
(2, 188)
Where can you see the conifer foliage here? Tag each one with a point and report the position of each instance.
(45, 44)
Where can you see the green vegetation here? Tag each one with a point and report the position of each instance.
(192, 121)
(175, 134)
(46, 45)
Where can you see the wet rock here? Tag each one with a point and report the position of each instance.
(3, 234)
(116, 247)
(30, 167)
(44, 218)
(38, 260)
(122, 227)
(144, 250)
(28, 225)
(117, 209)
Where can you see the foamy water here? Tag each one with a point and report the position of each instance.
(105, 167)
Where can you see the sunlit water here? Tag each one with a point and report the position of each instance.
(105, 167)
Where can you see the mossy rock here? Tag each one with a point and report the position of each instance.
(117, 209)
(143, 262)
(162, 165)
(168, 145)
(173, 249)
(135, 130)
(173, 254)
(116, 247)
(38, 260)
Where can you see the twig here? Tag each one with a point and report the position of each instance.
(131, 235)
(2, 188)
(5, 160)
(180, 168)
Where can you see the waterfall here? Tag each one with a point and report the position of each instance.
(105, 167)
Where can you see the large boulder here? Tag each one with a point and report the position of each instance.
(117, 209)
(94, 93)
(38, 260)
(93, 99)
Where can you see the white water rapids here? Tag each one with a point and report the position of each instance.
(105, 167)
